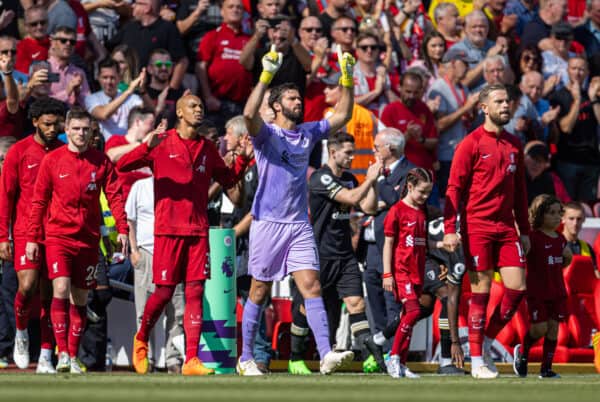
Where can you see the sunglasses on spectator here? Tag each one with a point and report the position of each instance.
(346, 29)
(6, 52)
(365, 48)
(40, 23)
(527, 58)
(64, 41)
(312, 29)
(161, 64)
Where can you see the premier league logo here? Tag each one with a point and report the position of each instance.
(227, 267)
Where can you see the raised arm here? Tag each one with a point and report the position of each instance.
(271, 63)
(343, 110)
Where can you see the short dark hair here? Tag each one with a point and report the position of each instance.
(136, 113)
(206, 126)
(278, 91)
(159, 50)
(46, 105)
(77, 113)
(412, 75)
(64, 29)
(108, 63)
(336, 140)
(488, 89)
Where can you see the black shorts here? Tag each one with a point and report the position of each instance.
(432, 281)
(341, 276)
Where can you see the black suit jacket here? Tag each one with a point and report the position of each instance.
(584, 36)
(388, 191)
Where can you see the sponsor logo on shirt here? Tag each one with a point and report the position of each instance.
(55, 267)
(63, 175)
(340, 216)
(475, 260)
(408, 288)
(512, 167)
(326, 179)
(414, 241)
(34, 55)
(230, 54)
(202, 167)
(32, 165)
(171, 156)
(485, 156)
(163, 275)
(554, 260)
(23, 260)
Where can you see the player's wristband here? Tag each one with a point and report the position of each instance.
(266, 77)
(387, 275)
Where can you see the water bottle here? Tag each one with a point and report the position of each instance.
(108, 363)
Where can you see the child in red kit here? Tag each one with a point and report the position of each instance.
(546, 292)
(404, 252)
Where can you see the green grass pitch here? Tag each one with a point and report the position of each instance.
(285, 388)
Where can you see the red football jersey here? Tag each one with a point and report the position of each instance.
(408, 227)
(19, 172)
(487, 184)
(126, 179)
(545, 266)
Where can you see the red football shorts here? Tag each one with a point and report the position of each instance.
(21, 262)
(180, 258)
(406, 290)
(544, 310)
(485, 251)
(78, 263)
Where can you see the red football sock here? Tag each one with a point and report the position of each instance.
(59, 313)
(477, 308)
(192, 317)
(46, 336)
(408, 319)
(504, 312)
(78, 317)
(548, 353)
(154, 307)
(22, 308)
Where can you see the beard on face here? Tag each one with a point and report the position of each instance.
(294, 116)
(500, 119)
(44, 138)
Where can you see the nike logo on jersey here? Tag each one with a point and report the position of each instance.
(62, 176)
(411, 223)
(32, 165)
(485, 156)
(34, 55)
(547, 246)
(173, 156)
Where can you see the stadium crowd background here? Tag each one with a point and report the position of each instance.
(420, 66)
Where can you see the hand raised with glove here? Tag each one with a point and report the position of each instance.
(347, 62)
(271, 63)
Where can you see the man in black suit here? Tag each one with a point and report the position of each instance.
(389, 148)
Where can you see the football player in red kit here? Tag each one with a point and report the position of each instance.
(487, 188)
(19, 172)
(546, 292)
(66, 216)
(183, 163)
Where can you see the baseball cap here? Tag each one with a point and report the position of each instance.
(537, 149)
(332, 79)
(457, 54)
(562, 30)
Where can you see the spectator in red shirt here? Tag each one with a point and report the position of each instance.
(33, 47)
(446, 18)
(224, 83)
(183, 163)
(487, 188)
(312, 39)
(412, 116)
(66, 196)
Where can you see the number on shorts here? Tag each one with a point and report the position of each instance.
(91, 273)
(520, 249)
